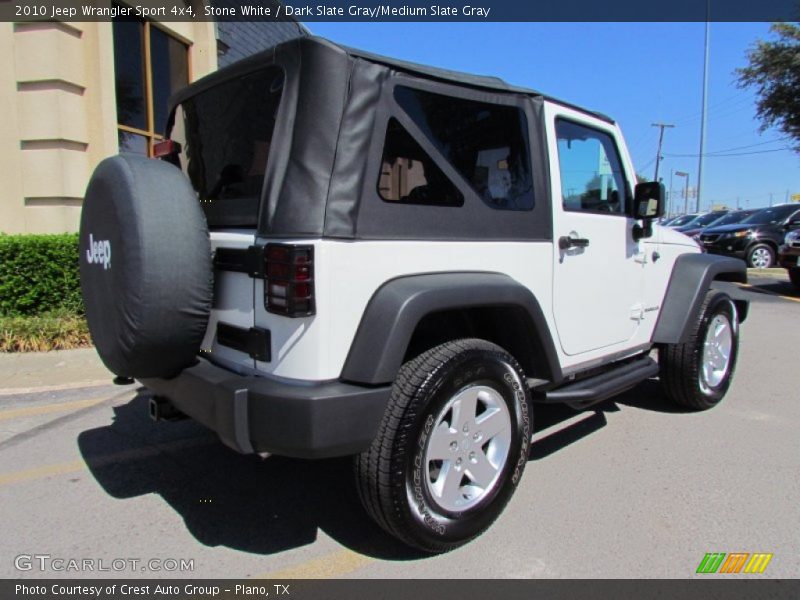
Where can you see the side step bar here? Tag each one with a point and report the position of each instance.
(600, 387)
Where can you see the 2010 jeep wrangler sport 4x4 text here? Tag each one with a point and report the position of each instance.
(344, 254)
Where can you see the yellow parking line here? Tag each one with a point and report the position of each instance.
(335, 564)
(100, 461)
(55, 388)
(768, 292)
(45, 471)
(32, 411)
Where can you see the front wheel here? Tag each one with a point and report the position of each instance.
(761, 256)
(697, 373)
(451, 448)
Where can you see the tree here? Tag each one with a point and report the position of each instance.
(774, 73)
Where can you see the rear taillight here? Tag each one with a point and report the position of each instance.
(289, 285)
(166, 148)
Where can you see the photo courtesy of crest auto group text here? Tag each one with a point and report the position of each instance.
(299, 300)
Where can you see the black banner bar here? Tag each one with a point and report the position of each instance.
(406, 10)
(731, 588)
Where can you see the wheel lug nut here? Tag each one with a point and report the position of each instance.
(453, 446)
(472, 458)
(477, 436)
(458, 463)
(466, 428)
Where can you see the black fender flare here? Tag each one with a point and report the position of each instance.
(397, 307)
(692, 276)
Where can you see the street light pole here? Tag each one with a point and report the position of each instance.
(671, 203)
(685, 190)
(704, 109)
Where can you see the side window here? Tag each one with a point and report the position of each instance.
(409, 175)
(486, 143)
(592, 179)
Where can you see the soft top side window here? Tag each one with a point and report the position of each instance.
(486, 143)
(409, 175)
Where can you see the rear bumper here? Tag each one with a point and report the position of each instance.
(257, 414)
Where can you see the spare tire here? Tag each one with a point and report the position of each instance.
(145, 265)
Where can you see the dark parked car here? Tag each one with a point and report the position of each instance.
(701, 222)
(789, 256)
(683, 220)
(757, 238)
(727, 218)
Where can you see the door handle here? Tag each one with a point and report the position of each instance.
(565, 242)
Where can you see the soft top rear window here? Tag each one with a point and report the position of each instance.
(225, 133)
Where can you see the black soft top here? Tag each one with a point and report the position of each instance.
(488, 82)
(325, 158)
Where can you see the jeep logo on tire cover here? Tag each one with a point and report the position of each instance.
(99, 252)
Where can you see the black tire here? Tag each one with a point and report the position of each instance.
(755, 254)
(146, 273)
(391, 474)
(682, 374)
(794, 276)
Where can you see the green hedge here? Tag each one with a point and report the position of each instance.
(39, 274)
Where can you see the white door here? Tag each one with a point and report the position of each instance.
(597, 271)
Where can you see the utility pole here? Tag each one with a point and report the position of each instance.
(770, 199)
(660, 141)
(705, 106)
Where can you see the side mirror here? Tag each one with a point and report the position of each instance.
(648, 200)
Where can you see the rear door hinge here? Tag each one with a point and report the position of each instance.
(256, 341)
(241, 260)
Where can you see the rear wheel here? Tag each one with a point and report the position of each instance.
(697, 373)
(761, 256)
(451, 448)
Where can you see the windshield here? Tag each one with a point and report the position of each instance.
(225, 134)
(731, 218)
(705, 220)
(770, 216)
(684, 220)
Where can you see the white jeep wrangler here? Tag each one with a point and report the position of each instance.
(344, 254)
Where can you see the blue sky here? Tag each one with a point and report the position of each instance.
(638, 73)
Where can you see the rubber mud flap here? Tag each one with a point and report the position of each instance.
(145, 266)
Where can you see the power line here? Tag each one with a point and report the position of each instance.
(729, 154)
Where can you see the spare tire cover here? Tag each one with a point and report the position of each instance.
(145, 265)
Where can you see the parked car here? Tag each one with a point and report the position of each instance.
(667, 220)
(701, 222)
(728, 218)
(683, 220)
(755, 239)
(789, 256)
(351, 255)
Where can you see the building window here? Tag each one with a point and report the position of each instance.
(150, 66)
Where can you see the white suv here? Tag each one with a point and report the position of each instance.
(345, 254)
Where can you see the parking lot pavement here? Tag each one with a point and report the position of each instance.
(630, 488)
